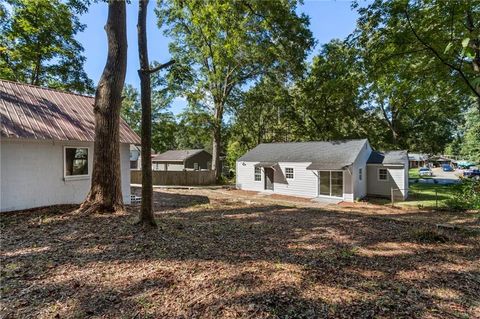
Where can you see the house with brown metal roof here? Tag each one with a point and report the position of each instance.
(179, 160)
(46, 147)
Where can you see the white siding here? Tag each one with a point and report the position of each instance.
(32, 174)
(360, 186)
(245, 177)
(348, 185)
(304, 183)
(396, 180)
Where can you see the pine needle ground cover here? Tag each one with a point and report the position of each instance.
(217, 255)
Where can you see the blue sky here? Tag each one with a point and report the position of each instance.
(328, 20)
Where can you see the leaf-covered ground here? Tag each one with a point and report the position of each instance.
(230, 254)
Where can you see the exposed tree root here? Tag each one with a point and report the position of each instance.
(94, 204)
(147, 223)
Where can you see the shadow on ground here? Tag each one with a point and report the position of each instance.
(214, 258)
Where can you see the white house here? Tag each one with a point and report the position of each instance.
(46, 147)
(342, 170)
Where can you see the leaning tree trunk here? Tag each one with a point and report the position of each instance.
(146, 211)
(217, 140)
(106, 192)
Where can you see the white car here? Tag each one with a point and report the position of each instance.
(425, 171)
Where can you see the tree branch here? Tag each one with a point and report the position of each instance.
(158, 67)
(435, 52)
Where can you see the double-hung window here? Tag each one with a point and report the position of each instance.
(289, 173)
(360, 173)
(382, 174)
(258, 174)
(76, 162)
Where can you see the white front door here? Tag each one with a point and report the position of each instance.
(330, 183)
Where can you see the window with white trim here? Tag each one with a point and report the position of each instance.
(258, 174)
(195, 166)
(289, 172)
(382, 174)
(76, 161)
(360, 174)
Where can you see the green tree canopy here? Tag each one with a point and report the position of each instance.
(223, 45)
(439, 37)
(164, 124)
(38, 46)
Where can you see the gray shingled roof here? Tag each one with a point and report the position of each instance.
(391, 157)
(176, 155)
(33, 112)
(341, 153)
(417, 157)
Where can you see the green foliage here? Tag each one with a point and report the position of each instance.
(466, 195)
(234, 151)
(131, 109)
(440, 37)
(328, 100)
(164, 126)
(221, 46)
(38, 45)
(470, 147)
(194, 129)
(411, 53)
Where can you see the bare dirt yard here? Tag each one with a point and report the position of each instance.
(231, 254)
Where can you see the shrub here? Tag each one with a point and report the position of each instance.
(466, 195)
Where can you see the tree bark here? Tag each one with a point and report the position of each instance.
(146, 211)
(106, 192)
(217, 139)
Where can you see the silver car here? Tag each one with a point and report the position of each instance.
(425, 171)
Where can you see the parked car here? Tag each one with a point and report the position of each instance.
(472, 173)
(447, 168)
(425, 171)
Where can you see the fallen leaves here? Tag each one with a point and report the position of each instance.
(215, 256)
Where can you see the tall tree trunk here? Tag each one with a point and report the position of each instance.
(217, 139)
(106, 191)
(146, 211)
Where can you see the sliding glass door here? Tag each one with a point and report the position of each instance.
(330, 183)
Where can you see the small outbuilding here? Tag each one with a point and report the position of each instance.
(179, 160)
(340, 170)
(46, 147)
(417, 160)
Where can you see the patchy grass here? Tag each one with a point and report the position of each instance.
(216, 256)
(428, 195)
(421, 195)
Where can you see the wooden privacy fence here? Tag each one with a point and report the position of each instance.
(181, 178)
